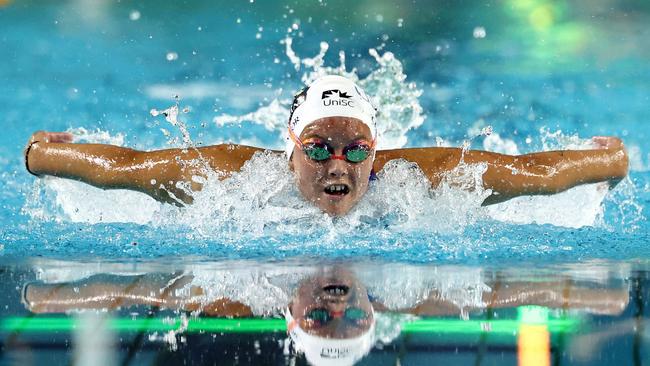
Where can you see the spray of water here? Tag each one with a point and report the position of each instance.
(396, 99)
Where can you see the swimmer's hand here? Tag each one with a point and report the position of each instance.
(619, 155)
(608, 142)
(44, 137)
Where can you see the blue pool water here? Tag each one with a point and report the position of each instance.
(539, 75)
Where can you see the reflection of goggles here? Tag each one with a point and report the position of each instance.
(317, 150)
(322, 316)
(330, 351)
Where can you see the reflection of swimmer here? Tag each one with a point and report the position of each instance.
(332, 152)
(330, 314)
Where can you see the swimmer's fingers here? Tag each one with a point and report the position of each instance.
(607, 142)
(60, 137)
(45, 136)
(618, 152)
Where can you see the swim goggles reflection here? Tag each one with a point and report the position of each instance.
(321, 316)
(317, 150)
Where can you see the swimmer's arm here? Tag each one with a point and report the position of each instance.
(109, 292)
(106, 292)
(166, 175)
(557, 295)
(531, 174)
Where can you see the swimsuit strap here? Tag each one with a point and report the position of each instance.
(373, 175)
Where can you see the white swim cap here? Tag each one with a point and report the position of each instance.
(330, 96)
(330, 351)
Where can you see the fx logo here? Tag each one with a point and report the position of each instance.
(335, 93)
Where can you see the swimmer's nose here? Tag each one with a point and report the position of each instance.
(336, 308)
(337, 168)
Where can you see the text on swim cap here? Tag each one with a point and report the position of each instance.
(342, 98)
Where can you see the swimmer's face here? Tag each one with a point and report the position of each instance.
(317, 179)
(333, 293)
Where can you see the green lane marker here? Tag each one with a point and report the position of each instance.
(259, 325)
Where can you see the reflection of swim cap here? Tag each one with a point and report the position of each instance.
(330, 96)
(330, 351)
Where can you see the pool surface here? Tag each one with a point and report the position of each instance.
(506, 76)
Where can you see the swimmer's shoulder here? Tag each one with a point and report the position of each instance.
(432, 160)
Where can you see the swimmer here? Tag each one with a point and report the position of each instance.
(331, 149)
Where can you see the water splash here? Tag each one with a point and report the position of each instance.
(171, 116)
(250, 204)
(267, 116)
(557, 140)
(585, 205)
(396, 99)
(60, 200)
(624, 211)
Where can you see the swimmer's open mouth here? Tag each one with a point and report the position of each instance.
(337, 189)
(336, 290)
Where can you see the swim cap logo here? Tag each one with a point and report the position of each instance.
(294, 122)
(334, 352)
(336, 97)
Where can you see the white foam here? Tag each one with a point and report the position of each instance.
(79, 202)
(638, 162)
(577, 207)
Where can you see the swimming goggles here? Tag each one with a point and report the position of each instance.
(318, 150)
(322, 316)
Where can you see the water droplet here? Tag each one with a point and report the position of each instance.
(479, 32)
(379, 18)
(258, 35)
(400, 22)
(134, 15)
(172, 56)
(238, 20)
